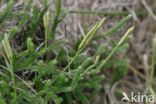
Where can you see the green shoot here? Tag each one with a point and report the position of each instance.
(86, 40)
(117, 46)
(9, 54)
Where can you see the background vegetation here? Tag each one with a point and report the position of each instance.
(75, 52)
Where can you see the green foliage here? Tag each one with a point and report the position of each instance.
(4, 14)
(50, 72)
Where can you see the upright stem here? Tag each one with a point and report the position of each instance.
(153, 64)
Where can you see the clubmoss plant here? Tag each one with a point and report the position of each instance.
(35, 71)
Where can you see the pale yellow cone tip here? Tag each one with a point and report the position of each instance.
(130, 15)
(101, 22)
(103, 19)
(132, 28)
